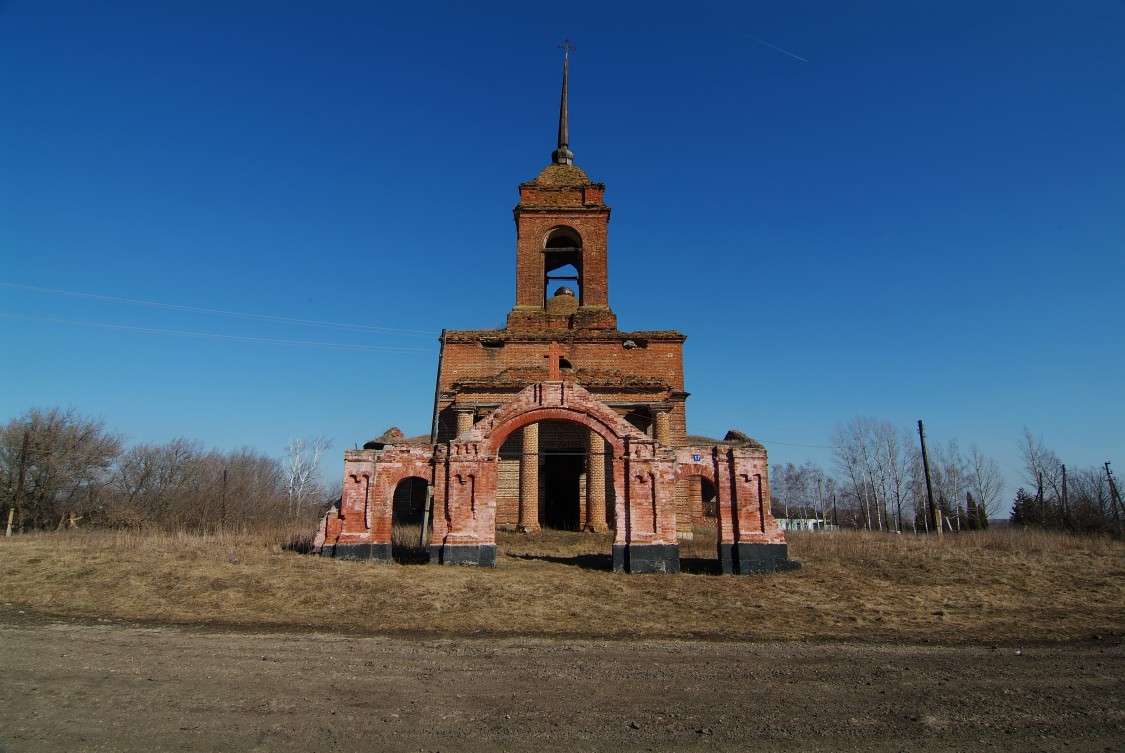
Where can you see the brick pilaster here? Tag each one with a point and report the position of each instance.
(529, 480)
(663, 430)
(595, 484)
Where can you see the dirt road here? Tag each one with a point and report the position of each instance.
(108, 687)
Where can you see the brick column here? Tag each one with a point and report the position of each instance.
(662, 432)
(465, 418)
(595, 485)
(529, 480)
(694, 505)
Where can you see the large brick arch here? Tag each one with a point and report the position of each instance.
(553, 401)
(707, 471)
(392, 467)
(390, 477)
(499, 434)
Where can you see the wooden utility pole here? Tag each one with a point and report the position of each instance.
(820, 495)
(1065, 509)
(932, 517)
(1114, 497)
(18, 499)
(223, 504)
(424, 540)
(1039, 498)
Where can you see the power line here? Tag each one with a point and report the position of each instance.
(219, 312)
(790, 444)
(230, 338)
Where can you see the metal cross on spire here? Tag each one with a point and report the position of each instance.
(563, 155)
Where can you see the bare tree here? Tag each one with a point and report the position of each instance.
(249, 491)
(893, 470)
(985, 482)
(1042, 467)
(851, 452)
(948, 471)
(869, 454)
(796, 491)
(54, 465)
(1089, 499)
(180, 486)
(302, 472)
(156, 483)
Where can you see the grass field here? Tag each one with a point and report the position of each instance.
(994, 586)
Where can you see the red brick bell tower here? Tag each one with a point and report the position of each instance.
(561, 224)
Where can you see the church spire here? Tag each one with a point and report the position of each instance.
(563, 155)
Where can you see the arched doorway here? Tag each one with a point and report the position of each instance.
(567, 490)
(696, 502)
(697, 525)
(411, 516)
(554, 474)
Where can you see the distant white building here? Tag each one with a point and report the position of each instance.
(806, 524)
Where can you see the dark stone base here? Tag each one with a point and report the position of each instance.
(750, 559)
(380, 553)
(728, 561)
(475, 555)
(646, 558)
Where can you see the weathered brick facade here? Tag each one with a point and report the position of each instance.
(562, 420)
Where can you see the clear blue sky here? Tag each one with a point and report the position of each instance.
(897, 209)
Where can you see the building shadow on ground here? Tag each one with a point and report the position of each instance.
(604, 562)
(584, 561)
(299, 544)
(410, 555)
(700, 566)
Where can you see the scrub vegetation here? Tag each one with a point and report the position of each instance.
(975, 588)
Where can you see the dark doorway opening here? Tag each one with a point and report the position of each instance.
(562, 471)
(709, 497)
(408, 511)
(699, 530)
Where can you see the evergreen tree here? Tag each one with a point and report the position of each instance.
(1026, 509)
(972, 513)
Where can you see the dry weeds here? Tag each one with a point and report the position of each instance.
(994, 586)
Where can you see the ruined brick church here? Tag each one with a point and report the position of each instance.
(561, 420)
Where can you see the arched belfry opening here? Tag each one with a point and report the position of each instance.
(562, 265)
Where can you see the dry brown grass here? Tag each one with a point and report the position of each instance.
(995, 586)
